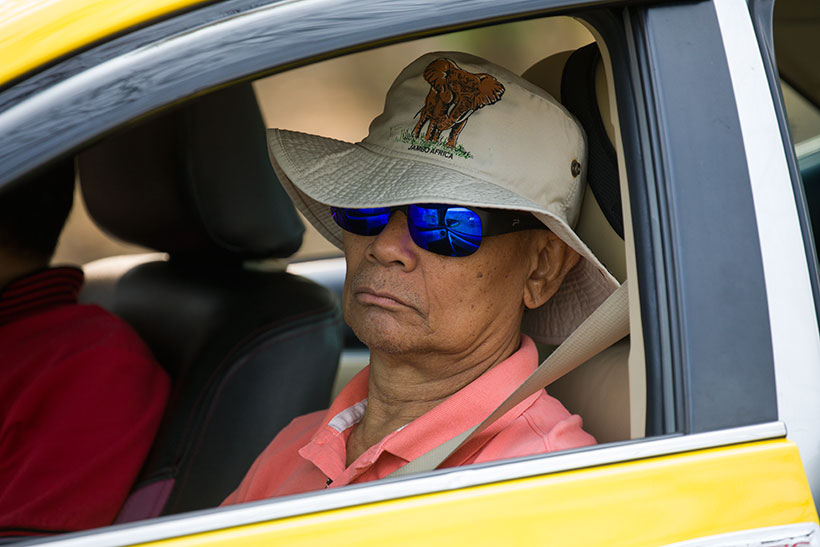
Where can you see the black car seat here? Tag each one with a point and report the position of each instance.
(601, 390)
(247, 348)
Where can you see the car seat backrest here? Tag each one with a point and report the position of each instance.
(195, 182)
(247, 349)
(599, 390)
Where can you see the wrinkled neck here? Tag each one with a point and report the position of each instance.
(402, 388)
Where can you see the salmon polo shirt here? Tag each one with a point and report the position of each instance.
(310, 453)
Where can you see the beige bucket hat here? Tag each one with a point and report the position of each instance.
(457, 129)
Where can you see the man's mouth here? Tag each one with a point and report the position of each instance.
(366, 295)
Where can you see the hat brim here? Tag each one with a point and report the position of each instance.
(318, 172)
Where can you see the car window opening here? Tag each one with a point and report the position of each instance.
(200, 295)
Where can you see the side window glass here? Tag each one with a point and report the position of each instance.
(338, 98)
(804, 116)
(804, 122)
(795, 35)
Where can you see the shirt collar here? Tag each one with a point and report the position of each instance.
(464, 409)
(327, 448)
(468, 407)
(39, 291)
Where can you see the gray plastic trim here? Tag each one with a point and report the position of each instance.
(721, 347)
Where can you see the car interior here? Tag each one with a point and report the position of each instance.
(252, 335)
(211, 267)
(247, 350)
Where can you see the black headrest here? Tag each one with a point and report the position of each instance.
(578, 96)
(195, 181)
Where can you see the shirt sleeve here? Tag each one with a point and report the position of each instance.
(76, 438)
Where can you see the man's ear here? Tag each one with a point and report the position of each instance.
(552, 261)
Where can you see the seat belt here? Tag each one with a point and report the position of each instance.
(604, 326)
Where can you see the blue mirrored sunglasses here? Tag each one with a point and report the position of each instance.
(449, 230)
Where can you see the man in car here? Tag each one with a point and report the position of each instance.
(455, 217)
(81, 396)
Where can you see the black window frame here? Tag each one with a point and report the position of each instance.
(708, 271)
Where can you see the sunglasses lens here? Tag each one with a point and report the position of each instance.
(448, 231)
(363, 222)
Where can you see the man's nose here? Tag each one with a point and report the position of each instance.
(394, 245)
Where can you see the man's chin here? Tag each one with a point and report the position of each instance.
(390, 343)
(385, 330)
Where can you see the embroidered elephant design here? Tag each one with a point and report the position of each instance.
(454, 95)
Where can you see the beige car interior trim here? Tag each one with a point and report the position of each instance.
(637, 358)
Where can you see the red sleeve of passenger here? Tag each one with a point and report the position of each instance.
(75, 438)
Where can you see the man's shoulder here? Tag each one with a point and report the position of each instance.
(545, 426)
(80, 335)
(301, 428)
(556, 425)
(287, 443)
(68, 318)
(100, 329)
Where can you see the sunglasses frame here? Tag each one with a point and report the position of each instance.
(493, 221)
